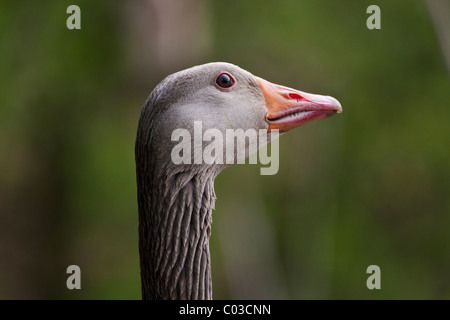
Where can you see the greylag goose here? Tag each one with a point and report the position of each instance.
(176, 199)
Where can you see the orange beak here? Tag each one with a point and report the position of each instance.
(289, 108)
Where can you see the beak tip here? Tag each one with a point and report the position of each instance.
(336, 104)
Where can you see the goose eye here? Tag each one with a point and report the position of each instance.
(225, 80)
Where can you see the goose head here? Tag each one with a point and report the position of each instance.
(223, 96)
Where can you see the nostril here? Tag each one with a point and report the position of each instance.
(295, 96)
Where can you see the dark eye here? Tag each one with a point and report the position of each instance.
(225, 80)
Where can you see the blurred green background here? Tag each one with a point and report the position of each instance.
(369, 186)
